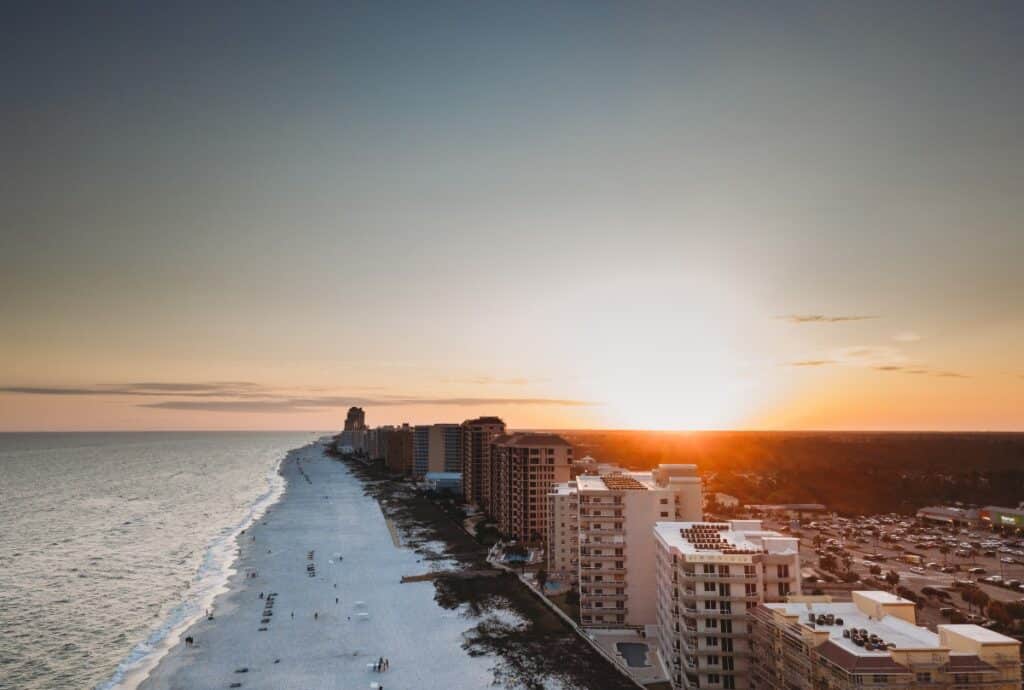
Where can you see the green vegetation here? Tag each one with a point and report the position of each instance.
(852, 473)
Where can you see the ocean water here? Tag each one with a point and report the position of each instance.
(108, 541)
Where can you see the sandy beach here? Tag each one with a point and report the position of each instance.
(324, 629)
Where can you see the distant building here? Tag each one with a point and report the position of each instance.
(420, 450)
(617, 515)
(588, 465)
(950, 515)
(1007, 518)
(398, 449)
(355, 420)
(790, 510)
(873, 641)
(709, 575)
(476, 448)
(725, 500)
(522, 470)
(437, 448)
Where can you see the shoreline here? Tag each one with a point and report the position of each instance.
(431, 603)
(146, 655)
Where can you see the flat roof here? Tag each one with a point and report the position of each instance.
(735, 537)
(901, 633)
(976, 632)
(617, 481)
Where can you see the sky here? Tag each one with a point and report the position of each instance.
(601, 215)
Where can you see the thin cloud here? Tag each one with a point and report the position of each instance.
(906, 337)
(189, 390)
(823, 318)
(492, 381)
(250, 397)
(923, 371)
(306, 404)
(881, 358)
(869, 356)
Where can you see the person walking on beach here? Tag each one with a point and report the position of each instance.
(316, 615)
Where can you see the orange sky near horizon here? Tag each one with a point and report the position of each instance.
(646, 216)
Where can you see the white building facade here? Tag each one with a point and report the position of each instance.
(617, 514)
(708, 576)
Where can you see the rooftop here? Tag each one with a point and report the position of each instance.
(532, 440)
(616, 481)
(875, 635)
(734, 537)
(564, 488)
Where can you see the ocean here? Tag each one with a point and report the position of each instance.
(110, 540)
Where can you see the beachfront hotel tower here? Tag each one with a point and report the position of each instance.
(523, 468)
(708, 576)
(873, 641)
(477, 435)
(617, 514)
(436, 448)
(562, 546)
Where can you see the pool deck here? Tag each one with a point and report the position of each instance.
(608, 640)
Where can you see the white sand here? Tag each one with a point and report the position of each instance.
(422, 640)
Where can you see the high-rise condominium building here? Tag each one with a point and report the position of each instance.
(562, 547)
(523, 468)
(708, 576)
(873, 642)
(617, 514)
(355, 420)
(436, 448)
(398, 449)
(477, 435)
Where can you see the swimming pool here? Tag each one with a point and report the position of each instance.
(635, 653)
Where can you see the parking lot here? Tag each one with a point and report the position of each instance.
(892, 542)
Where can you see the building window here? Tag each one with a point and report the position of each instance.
(783, 570)
(922, 677)
(664, 514)
(713, 678)
(783, 589)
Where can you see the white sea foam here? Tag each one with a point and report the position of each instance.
(114, 542)
(210, 580)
